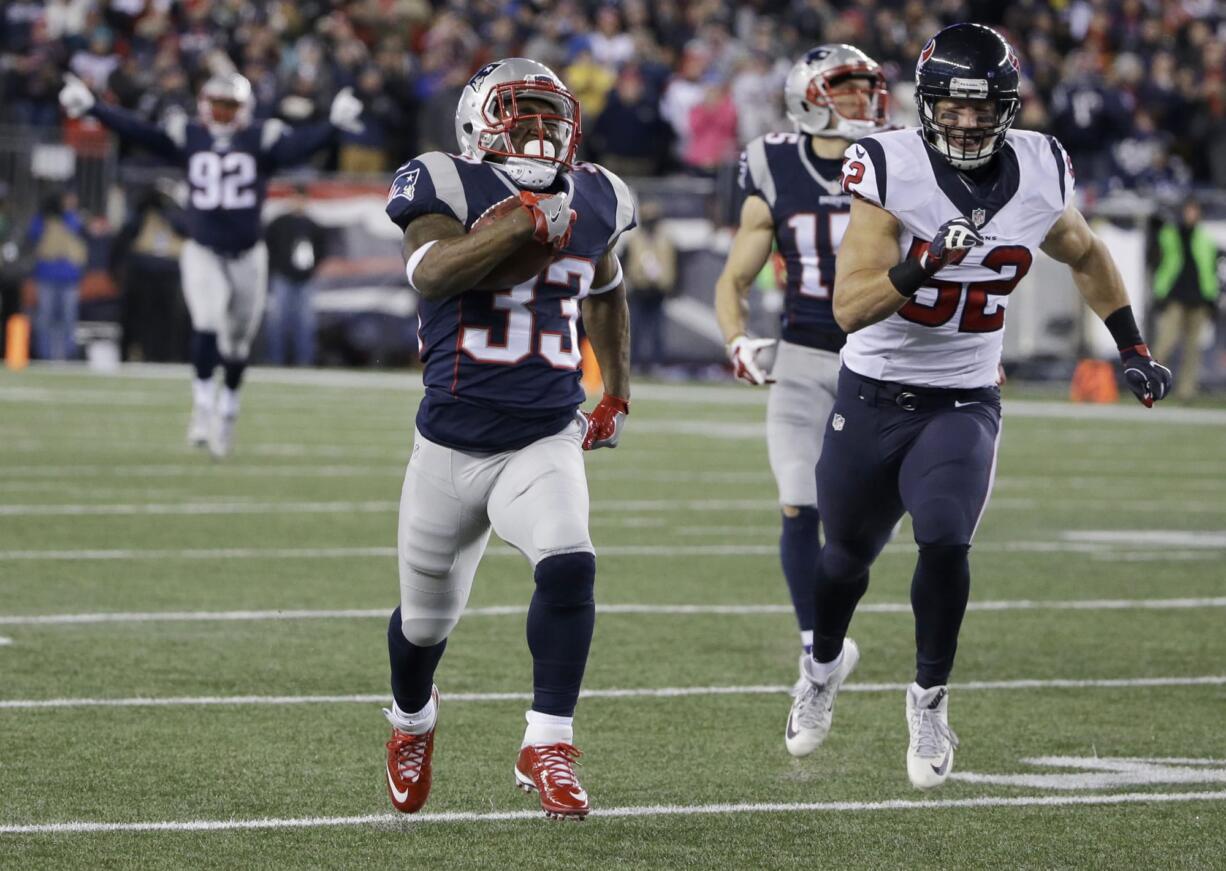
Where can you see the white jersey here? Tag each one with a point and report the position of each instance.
(951, 333)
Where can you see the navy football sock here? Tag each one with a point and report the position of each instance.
(842, 578)
(798, 549)
(412, 667)
(204, 354)
(234, 372)
(561, 618)
(940, 589)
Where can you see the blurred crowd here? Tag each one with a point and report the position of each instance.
(1134, 88)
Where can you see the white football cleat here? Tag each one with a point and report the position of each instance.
(813, 706)
(221, 438)
(200, 425)
(930, 753)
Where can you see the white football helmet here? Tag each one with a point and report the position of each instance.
(229, 87)
(807, 97)
(489, 110)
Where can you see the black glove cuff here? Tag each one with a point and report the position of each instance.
(908, 277)
(1123, 327)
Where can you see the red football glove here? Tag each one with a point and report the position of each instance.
(552, 215)
(604, 424)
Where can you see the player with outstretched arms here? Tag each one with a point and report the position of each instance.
(794, 199)
(499, 435)
(944, 225)
(228, 159)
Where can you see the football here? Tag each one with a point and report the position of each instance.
(525, 264)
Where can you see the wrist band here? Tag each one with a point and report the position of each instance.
(1123, 328)
(908, 277)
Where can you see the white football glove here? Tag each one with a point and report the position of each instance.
(346, 111)
(551, 214)
(75, 96)
(743, 352)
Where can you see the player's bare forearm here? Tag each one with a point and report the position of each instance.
(1071, 241)
(460, 260)
(863, 292)
(606, 319)
(751, 247)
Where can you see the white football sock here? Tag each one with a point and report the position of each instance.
(548, 729)
(806, 639)
(819, 672)
(202, 392)
(418, 723)
(229, 402)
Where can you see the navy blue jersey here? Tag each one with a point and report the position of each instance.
(810, 212)
(227, 176)
(502, 366)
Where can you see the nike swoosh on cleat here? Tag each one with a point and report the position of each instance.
(940, 772)
(399, 796)
(579, 794)
(792, 733)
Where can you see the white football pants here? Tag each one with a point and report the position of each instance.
(535, 498)
(226, 295)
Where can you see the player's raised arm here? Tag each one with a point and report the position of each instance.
(606, 318)
(78, 100)
(286, 147)
(1070, 240)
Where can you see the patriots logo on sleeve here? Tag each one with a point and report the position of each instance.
(404, 186)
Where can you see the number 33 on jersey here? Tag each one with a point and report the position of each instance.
(950, 334)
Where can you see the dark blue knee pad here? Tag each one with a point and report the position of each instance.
(567, 580)
(841, 564)
(944, 521)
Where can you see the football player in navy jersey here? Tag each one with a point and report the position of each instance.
(794, 198)
(228, 160)
(944, 224)
(499, 435)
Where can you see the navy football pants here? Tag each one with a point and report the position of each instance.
(891, 448)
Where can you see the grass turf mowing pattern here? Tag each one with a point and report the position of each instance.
(298, 443)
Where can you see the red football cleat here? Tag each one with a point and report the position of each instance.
(408, 767)
(549, 770)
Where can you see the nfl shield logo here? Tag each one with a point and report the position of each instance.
(978, 217)
(837, 422)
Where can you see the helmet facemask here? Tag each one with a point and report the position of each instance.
(967, 147)
(826, 91)
(232, 94)
(533, 144)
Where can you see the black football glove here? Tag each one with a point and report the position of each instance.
(953, 241)
(1148, 379)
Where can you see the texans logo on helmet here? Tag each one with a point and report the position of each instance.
(480, 75)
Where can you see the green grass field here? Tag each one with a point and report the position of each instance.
(177, 705)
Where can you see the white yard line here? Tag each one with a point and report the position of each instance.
(627, 608)
(636, 693)
(599, 813)
(4, 642)
(1190, 547)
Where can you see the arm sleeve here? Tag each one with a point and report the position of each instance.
(281, 146)
(135, 129)
(864, 171)
(426, 186)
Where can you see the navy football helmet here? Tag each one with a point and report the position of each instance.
(967, 62)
